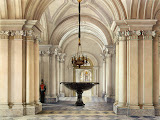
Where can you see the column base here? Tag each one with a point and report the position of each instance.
(103, 94)
(15, 111)
(119, 110)
(157, 110)
(133, 111)
(30, 110)
(109, 99)
(38, 107)
(51, 99)
(61, 95)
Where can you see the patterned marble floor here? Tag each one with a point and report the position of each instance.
(94, 109)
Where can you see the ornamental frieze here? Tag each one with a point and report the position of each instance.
(137, 33)
(17, 33)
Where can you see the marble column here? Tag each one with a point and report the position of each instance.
(4, 69)
(62, 75)
(30, 67)
(147, 71)
(30, 71)
(103, 55)
(16, 78)
(117, 74)
(46, 67)
(54, 83)
(122, 71)
(133, 70)
(159, 72)
(140, 71)
(36, 77)
(156, 71)
(57, 75)
(95, 73)
(109, 77)
(36, 71)
(41, 62)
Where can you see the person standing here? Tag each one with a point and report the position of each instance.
(42, 91)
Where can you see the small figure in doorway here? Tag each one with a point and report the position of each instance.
(42, 91)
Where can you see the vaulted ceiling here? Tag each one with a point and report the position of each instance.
(59, 18)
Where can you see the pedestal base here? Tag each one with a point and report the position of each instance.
(79, 98)
(15, 111)
(30, 110)
(133, 112)
(103, 94)
(38, 107)
(109, 99)
(51, 99)
(61, 95)
(157, 110)
(79, 103)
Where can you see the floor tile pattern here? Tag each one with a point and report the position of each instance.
(95, 109)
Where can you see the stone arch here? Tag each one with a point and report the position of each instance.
(70, 22)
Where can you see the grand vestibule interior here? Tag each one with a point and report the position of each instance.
(120, 38)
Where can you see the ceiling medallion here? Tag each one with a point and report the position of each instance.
(79, 59)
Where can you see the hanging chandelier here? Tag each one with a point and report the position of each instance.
(79, 59)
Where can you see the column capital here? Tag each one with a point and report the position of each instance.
(149, 33)
(57, 50)
(133, 33)
(62, 57)
(121, 33)
(109, 49)
(4, 34)
(41, 53)
(103, 55)
(37, 39)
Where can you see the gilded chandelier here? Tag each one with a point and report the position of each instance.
(79, 59)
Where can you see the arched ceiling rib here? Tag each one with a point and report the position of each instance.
(120, 9)
(86, 37)
(72, 23)
(101, 13)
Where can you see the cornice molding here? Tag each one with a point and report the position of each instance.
(133, 24)
(6, 24)
(29, 24)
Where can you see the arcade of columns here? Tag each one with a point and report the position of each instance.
(52, 71)
(137, 68)
(19, 68)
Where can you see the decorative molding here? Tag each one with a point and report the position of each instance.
(108, 51)
(104, 55)
(149, 33)
(62, 57)
(17, 33)
(111, 49)
(57, 51)
(41, 53)
(136, 33)
(121, 33)
(10, 24)
(28, 33)
(4, 33)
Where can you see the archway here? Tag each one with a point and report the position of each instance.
(85, 74)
